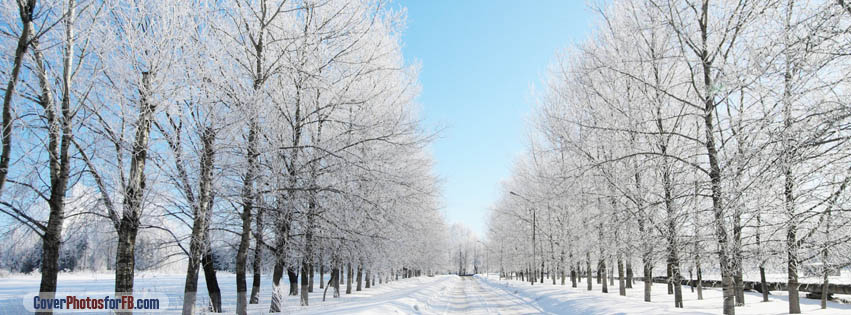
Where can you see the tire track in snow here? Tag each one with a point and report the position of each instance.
(530, 302)
(479, 296)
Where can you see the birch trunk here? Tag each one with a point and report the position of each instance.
(646, 250)
(59, 138)
(25, 11)
(258, 257)
(198, 244)
(721, 236)
(213, 290)
(277, 295)
(305, 276)
(244, 238)
(128, 226)
(792, 260)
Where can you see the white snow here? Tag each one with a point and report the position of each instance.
(446, 294)
(559, 299)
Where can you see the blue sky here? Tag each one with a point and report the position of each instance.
(479, 61)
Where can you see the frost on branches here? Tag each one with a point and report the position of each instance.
(253, 136)
(692, 140)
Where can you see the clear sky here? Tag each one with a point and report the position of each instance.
(479, 61)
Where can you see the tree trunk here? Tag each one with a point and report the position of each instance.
(826, 268)
(278, 293)
(670, 279)
(629, 274)
(305, 281)
(573, 275)
(349, 278)
(676, 280)
(337, 273)
(292, 275)
(59, 134)
(792, 261)
(241, 260)
(737, 257)
(125, 256)
(699, 283)
(691, 279)
(603, 271)
(258, 257)
(621, 284)
(244, 238)
(599, 271)
(50, 258)
(25, 11)
(562, 267)
(199, 241)
(648, 277)
(763, 288)
(674, 274)
(578, 271)
(646, 251)
(791, 245)
(825, 285)
(740, 286)
(128, 226)
(197, 260)
(330, 284)
(588, 269)
(190, 288)
(249, 191)
(724, 259)
(360, 276)
(368, 276)
(321, 273)
(762, 284)
(697, 249)
(310, 279)
(611, 273)
(213, 291)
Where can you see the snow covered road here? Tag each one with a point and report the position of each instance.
(468, 295)
(439, 295)
(443, 294)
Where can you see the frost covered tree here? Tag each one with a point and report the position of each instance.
(298, 113)
(677, 122)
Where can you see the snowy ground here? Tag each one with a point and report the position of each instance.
(566, 300)
(430, 295)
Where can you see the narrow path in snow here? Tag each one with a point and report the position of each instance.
(440, 295)
(468, 295)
